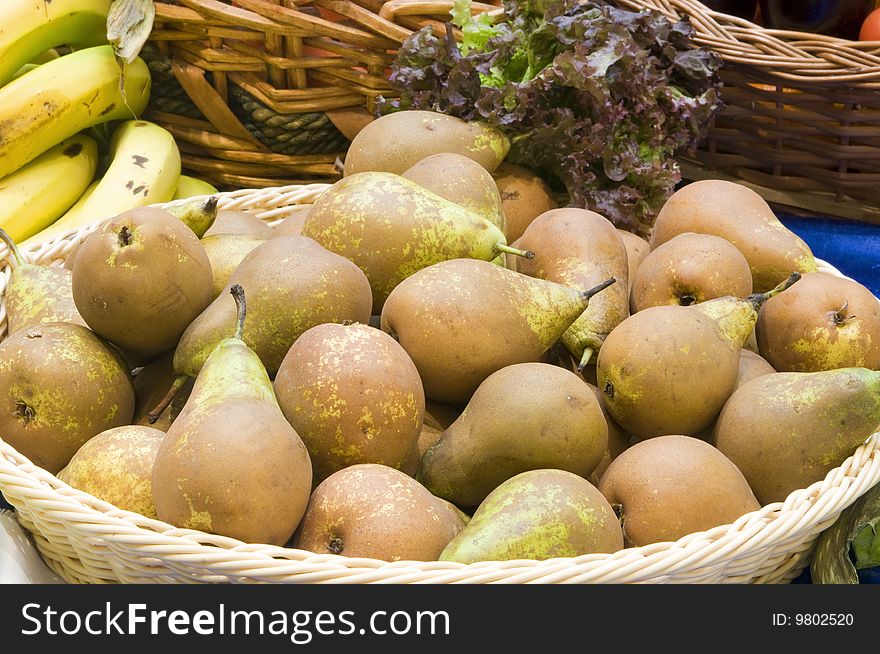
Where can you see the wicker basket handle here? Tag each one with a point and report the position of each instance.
(391, 10)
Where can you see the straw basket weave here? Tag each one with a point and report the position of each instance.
(802, 122)
(87, 540)
(268, 92)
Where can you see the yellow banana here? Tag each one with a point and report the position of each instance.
(190, 187)
(144, 170)
(35, 196)
(62, 97)
(31, 27)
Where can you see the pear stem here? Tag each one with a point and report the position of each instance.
(601, 287)
(585, 359)
(6, 238)
(238, 293)
(506, 249)
(156, 413)
(757, 299)
(210, 207)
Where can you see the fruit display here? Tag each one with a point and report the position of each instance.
(504, 332)
(380, 375)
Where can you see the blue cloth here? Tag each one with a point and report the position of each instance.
(851, 247)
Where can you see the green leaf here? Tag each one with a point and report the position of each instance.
(129, 24)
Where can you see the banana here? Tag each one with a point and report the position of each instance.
(62, 97)
(35, 196)
(31, 27)
(189, 187)
(144, 170)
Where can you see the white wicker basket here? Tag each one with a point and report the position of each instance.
(87, 540)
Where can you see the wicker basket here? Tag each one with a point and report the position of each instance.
(268, 92)
(802, 122)
(86, 540)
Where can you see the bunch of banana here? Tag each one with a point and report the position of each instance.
(48, 105)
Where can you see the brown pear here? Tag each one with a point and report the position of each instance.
(463, 319)
(527, 416)
(239, 222)
(60, 385)
(824, 322)
(226, 252)
(117, 466)
(353, 395)
(293, 284)
(579, 249)
(140, 279)
(637, 249)
(618, 440)
(293, 224)
(461, 180)
(689, 269)
(524, 197)
(672, 486)
(374, 511)
(151, 385)
(739, 215)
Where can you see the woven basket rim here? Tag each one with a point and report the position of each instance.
(804, 509)
(802, 57)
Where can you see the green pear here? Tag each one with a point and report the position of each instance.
(540, 514)
(37, 294)
(198, 215)
(670, 369)
(293, 284)
(461, 320)
(60, 385)
(580, 248)
(391, 228)
(785, 431)
(528, 416)
(231, 464)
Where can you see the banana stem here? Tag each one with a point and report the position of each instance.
(238, 293)
(156, 413)
(6, 238)
(601, 287)
(506, 249)
(757, 299)
(585, 359)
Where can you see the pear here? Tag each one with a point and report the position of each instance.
(825, 322)
(751, 366)
(353, 395)
(439, 415)
(786, 431)
(618, 440)
(392, 228)
(670, 369)
(461, 180)
(689, 269)
(540, 514)
(199, 215)
(60, 385)
(226, 252)
(524, 197)
(117, 466)
(294, 284)
(739, 215)
(527, 416)
(151, 383)
(231, 464)
(293, 224)
(580, 248)
(140, 279)
(37, 294)
(239, 222)
(461, 320)
(371, 510)
(637, 249)
(672, 486)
